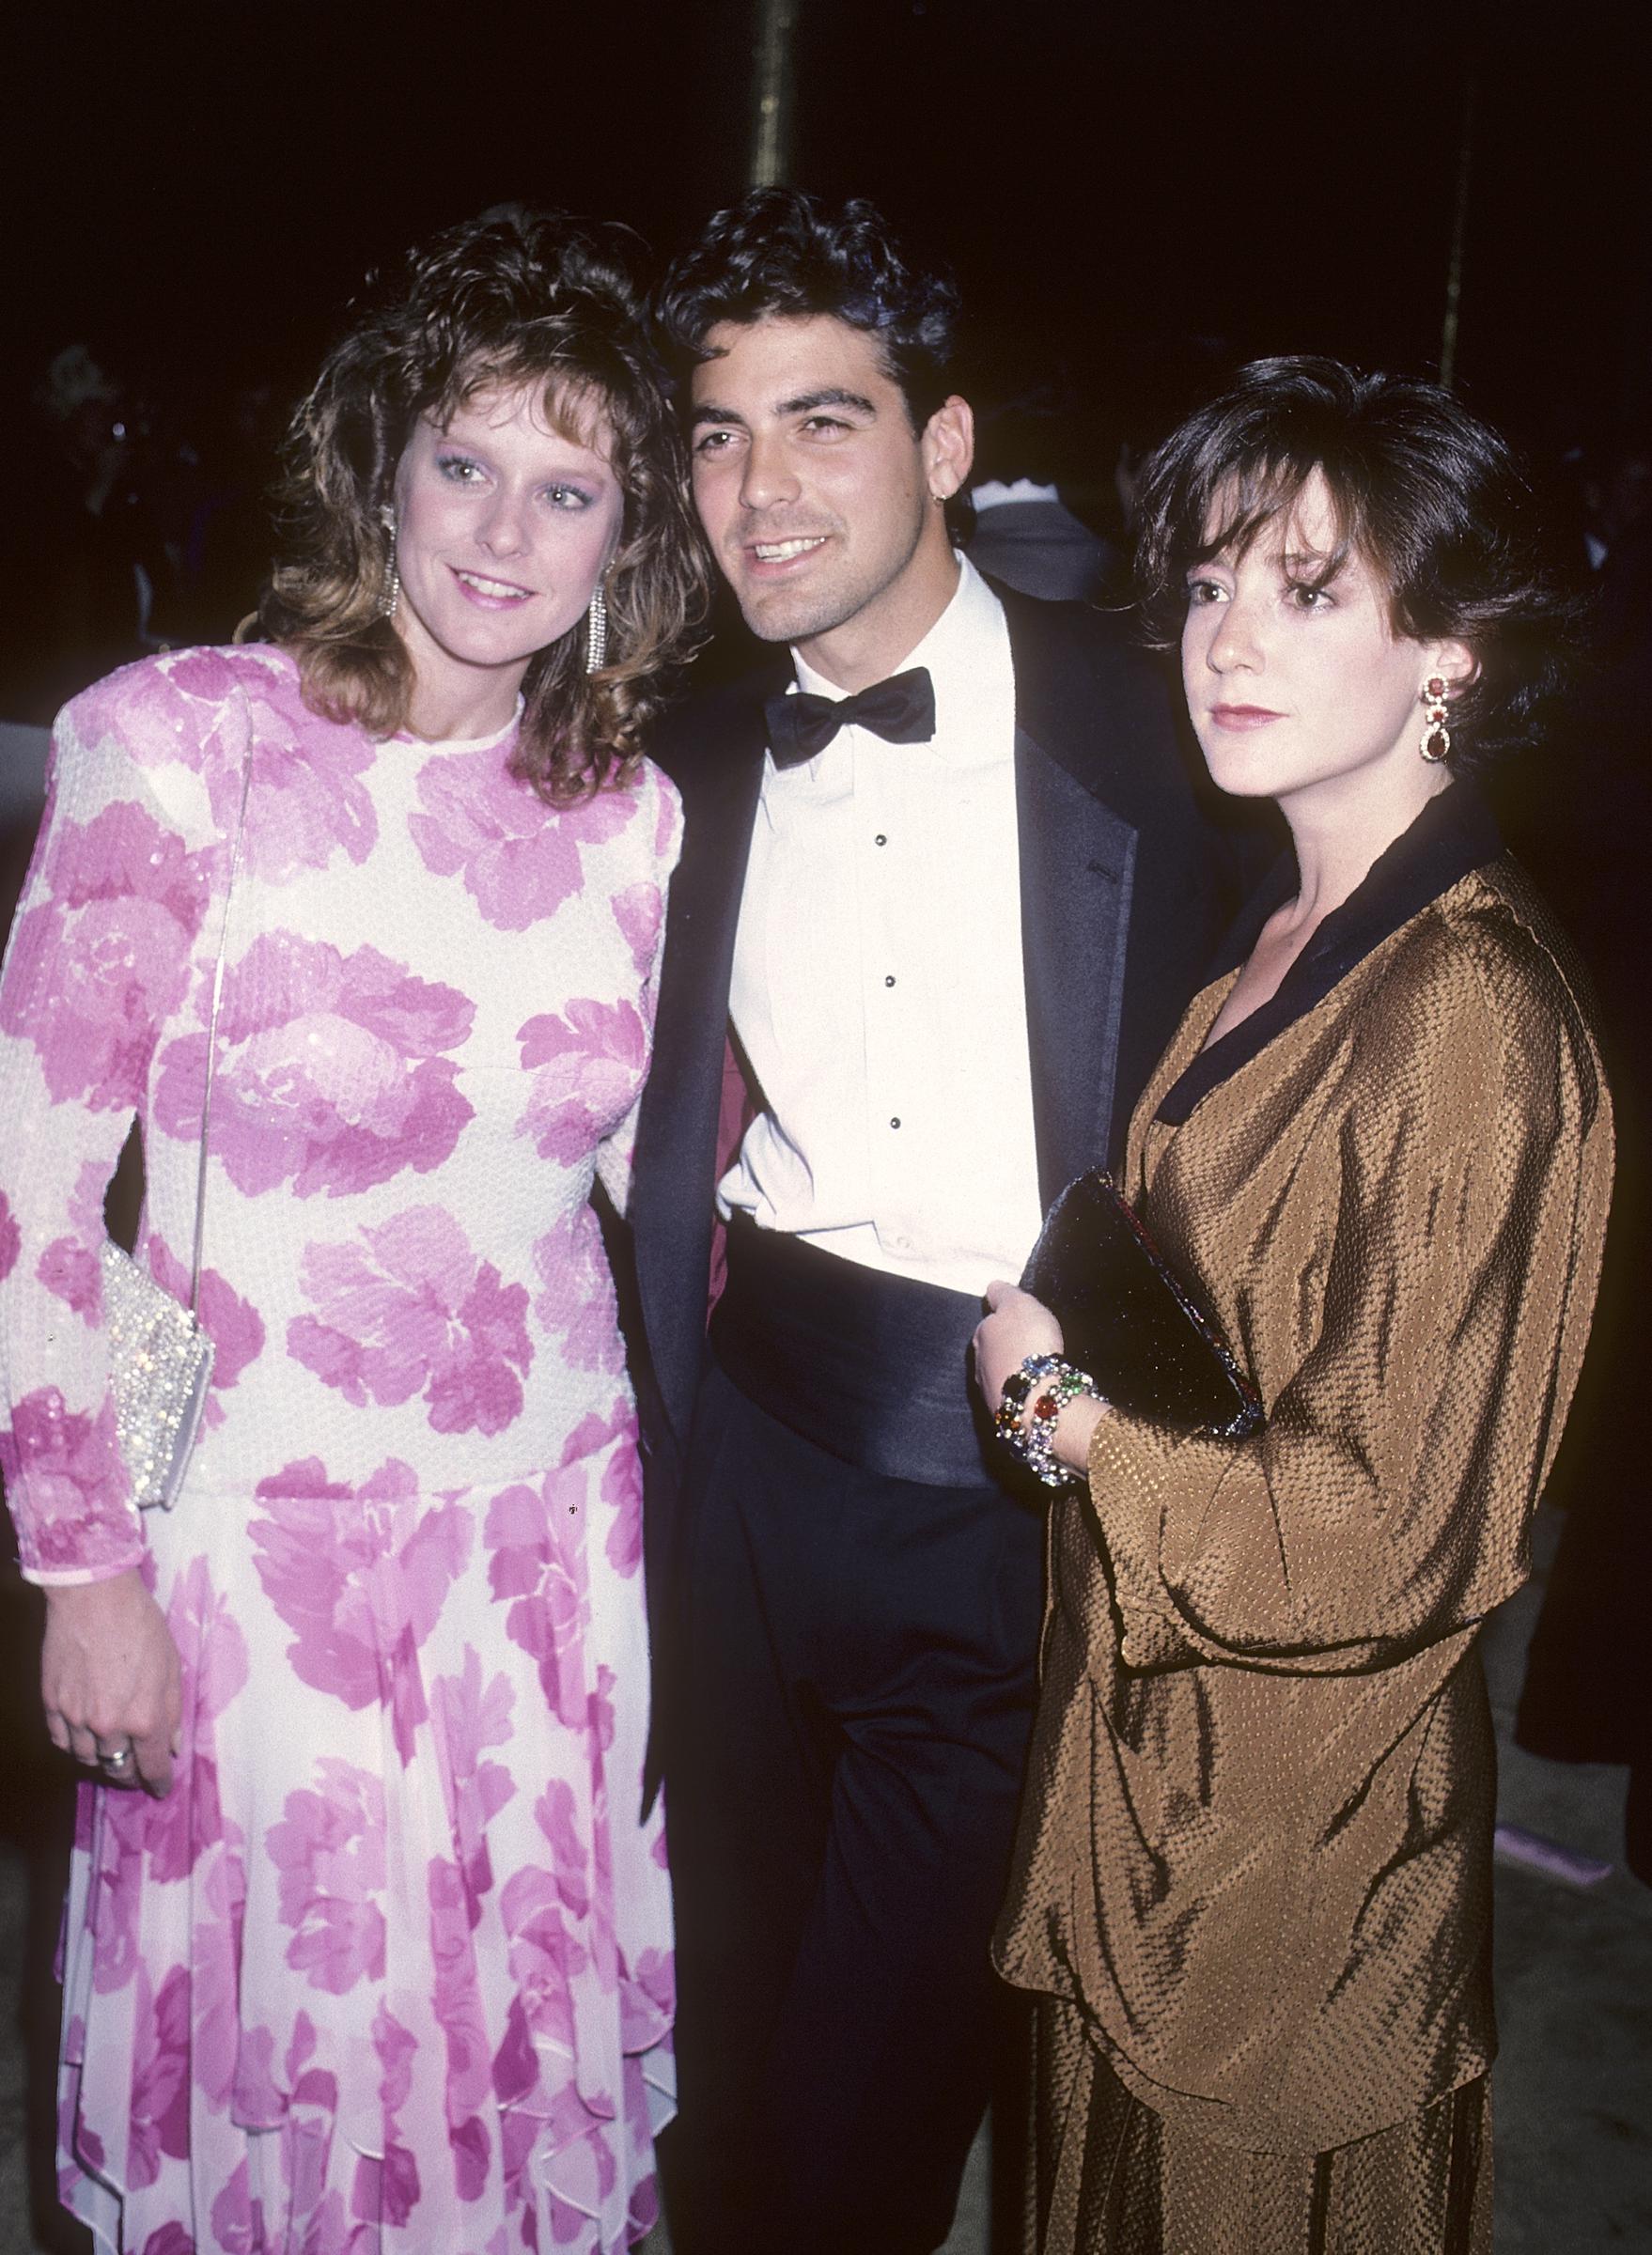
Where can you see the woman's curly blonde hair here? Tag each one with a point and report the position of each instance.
(511, 300)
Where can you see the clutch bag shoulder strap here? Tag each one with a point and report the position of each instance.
(235, 850)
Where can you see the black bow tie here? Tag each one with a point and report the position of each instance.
(902, 710)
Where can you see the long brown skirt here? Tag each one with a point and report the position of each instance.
(1111, 2177)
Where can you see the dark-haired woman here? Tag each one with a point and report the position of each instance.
(1253, 1879)
(382, 1956)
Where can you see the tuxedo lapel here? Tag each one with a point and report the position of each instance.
(1078, 850)
(717, 762)
(1078, 866)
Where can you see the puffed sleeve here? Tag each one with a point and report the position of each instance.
(1465, 1165)
(99, 956)
(659, 831)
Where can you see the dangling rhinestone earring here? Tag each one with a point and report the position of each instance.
(597, 630)
(1436, 740)
(391, 594)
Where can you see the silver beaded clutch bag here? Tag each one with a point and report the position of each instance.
(159, 1358)
(160, 1366)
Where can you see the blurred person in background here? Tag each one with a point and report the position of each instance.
(79, 566)
(1039, 444)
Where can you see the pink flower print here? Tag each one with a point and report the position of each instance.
(585, 2169)
(587, 1065)
(97, 966)
(10, 1240)
(558, 1818)
(546, 1956)
(470, 1718)
(361, 1577)
(159, 2121)
(537, 1537)
(121, 1826)
(171, 2239)
(233, 1324)
(396, 2046)
(205, 676)
(667, 821)
(520, 859)
(458, 2013)
(238, 2219)
(385, 2191)
(515, 2072)
(307, 800)
(622, 1491)
(69, 1273)
(328, 2231)
(410, 1309)
(180, 707)
(210, 1645)
(85, 1201)
(310, 2086)
(601, 1711)
(330, 1073)
(68, 1268)
(643, 2213)
(329, 1849)
(576, 1302)
(66, 1460)
(264, 2099)
(257, 2098)
(215, 1951)
(638, 911)
(197, 706)
(213, 1653)
(648, 2000)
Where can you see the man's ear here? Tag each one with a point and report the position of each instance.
(948, 446)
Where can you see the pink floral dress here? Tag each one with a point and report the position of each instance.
(390, 1969)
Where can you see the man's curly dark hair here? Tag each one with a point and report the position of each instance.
(781, 253)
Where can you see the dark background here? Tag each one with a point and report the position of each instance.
(195, 191)
(1144, 195)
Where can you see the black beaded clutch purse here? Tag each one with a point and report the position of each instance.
(1129, 1320)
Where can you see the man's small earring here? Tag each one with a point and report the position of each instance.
(597, 630)
(1436, 740)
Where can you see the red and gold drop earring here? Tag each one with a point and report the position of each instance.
(1436, 740)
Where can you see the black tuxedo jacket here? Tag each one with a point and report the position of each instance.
(1126, 886)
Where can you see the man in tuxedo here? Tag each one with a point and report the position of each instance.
(943, 892)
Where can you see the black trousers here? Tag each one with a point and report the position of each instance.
(848, 1730)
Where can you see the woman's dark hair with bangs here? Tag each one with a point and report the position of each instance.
(780, 253)
(511, 300)
(1427, 494)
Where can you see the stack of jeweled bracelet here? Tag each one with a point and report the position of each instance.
(1030, 1430)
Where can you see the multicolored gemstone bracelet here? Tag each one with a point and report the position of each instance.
(1030, 1430)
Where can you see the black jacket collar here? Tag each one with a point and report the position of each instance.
(1453, 833)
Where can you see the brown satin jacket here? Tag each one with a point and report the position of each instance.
(1256, 1848)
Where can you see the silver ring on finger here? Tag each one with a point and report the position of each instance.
(119, 1760)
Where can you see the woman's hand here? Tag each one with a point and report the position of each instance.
(1017, 1325)
(110, 1682)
